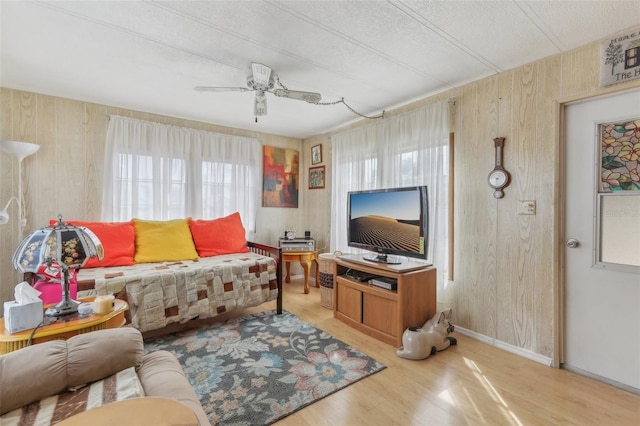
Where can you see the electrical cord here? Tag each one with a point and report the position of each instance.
(340, 101)
(34, 332)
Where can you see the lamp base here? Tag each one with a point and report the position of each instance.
(66, 307)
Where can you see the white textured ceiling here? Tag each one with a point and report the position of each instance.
(377, 55)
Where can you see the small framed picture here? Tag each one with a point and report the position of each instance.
(316, 154)
(316, 177)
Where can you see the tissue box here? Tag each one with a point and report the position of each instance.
(19, 317)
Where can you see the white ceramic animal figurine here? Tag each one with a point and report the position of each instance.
(419, 343)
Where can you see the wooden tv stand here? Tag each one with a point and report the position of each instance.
(378, 312)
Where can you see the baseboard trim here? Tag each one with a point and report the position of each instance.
(605, 380)
(541, 359)
(506, 346)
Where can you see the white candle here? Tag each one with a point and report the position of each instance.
(103, 304)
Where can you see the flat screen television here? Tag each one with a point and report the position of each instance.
(391, 223)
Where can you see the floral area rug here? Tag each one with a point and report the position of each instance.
(260, 368)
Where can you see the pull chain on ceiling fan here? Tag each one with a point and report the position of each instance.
(261, 79)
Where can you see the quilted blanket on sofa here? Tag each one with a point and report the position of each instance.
(163, 293)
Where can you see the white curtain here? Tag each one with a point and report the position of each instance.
(159, 172)
(405, 150)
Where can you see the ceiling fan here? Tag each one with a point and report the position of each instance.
(261, 79)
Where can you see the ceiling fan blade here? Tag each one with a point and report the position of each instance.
(311, 97)
(220, 89)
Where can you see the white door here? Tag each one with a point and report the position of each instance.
(602, 285)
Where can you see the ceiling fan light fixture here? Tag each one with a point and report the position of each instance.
(260, 104)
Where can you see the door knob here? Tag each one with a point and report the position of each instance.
(572, 243)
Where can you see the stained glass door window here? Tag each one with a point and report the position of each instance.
(619, 195)
(620, 150)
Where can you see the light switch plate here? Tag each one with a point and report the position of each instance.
(527, 207)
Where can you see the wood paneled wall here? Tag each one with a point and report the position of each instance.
(508, 270)
(316, 204)
(65, 175)
(508, 267)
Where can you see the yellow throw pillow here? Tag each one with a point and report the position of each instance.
(163, 240)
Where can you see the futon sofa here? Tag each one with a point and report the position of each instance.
(176, 271)
(48, 382)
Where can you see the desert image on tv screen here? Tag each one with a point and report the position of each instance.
(386, 219)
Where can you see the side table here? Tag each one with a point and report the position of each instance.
(61, 328)
(305, 258)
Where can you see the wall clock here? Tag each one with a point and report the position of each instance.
(499, 178)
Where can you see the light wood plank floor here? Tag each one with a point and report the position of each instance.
(468, 384)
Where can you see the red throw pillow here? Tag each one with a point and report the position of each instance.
(219, 236)
(118, 241)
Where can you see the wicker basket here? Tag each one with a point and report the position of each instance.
(326, 263)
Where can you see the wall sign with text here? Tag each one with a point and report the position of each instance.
(620, 59)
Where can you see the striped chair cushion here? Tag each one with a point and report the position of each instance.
(54, 409)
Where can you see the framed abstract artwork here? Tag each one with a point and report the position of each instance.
(280, 177)
(316, 177)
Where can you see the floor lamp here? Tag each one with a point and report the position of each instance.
(20, 150)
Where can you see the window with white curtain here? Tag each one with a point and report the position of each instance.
(158, 172)
(405, 150)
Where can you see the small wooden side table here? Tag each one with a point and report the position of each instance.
(62, 328)
(305, 258)
(136, 411)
